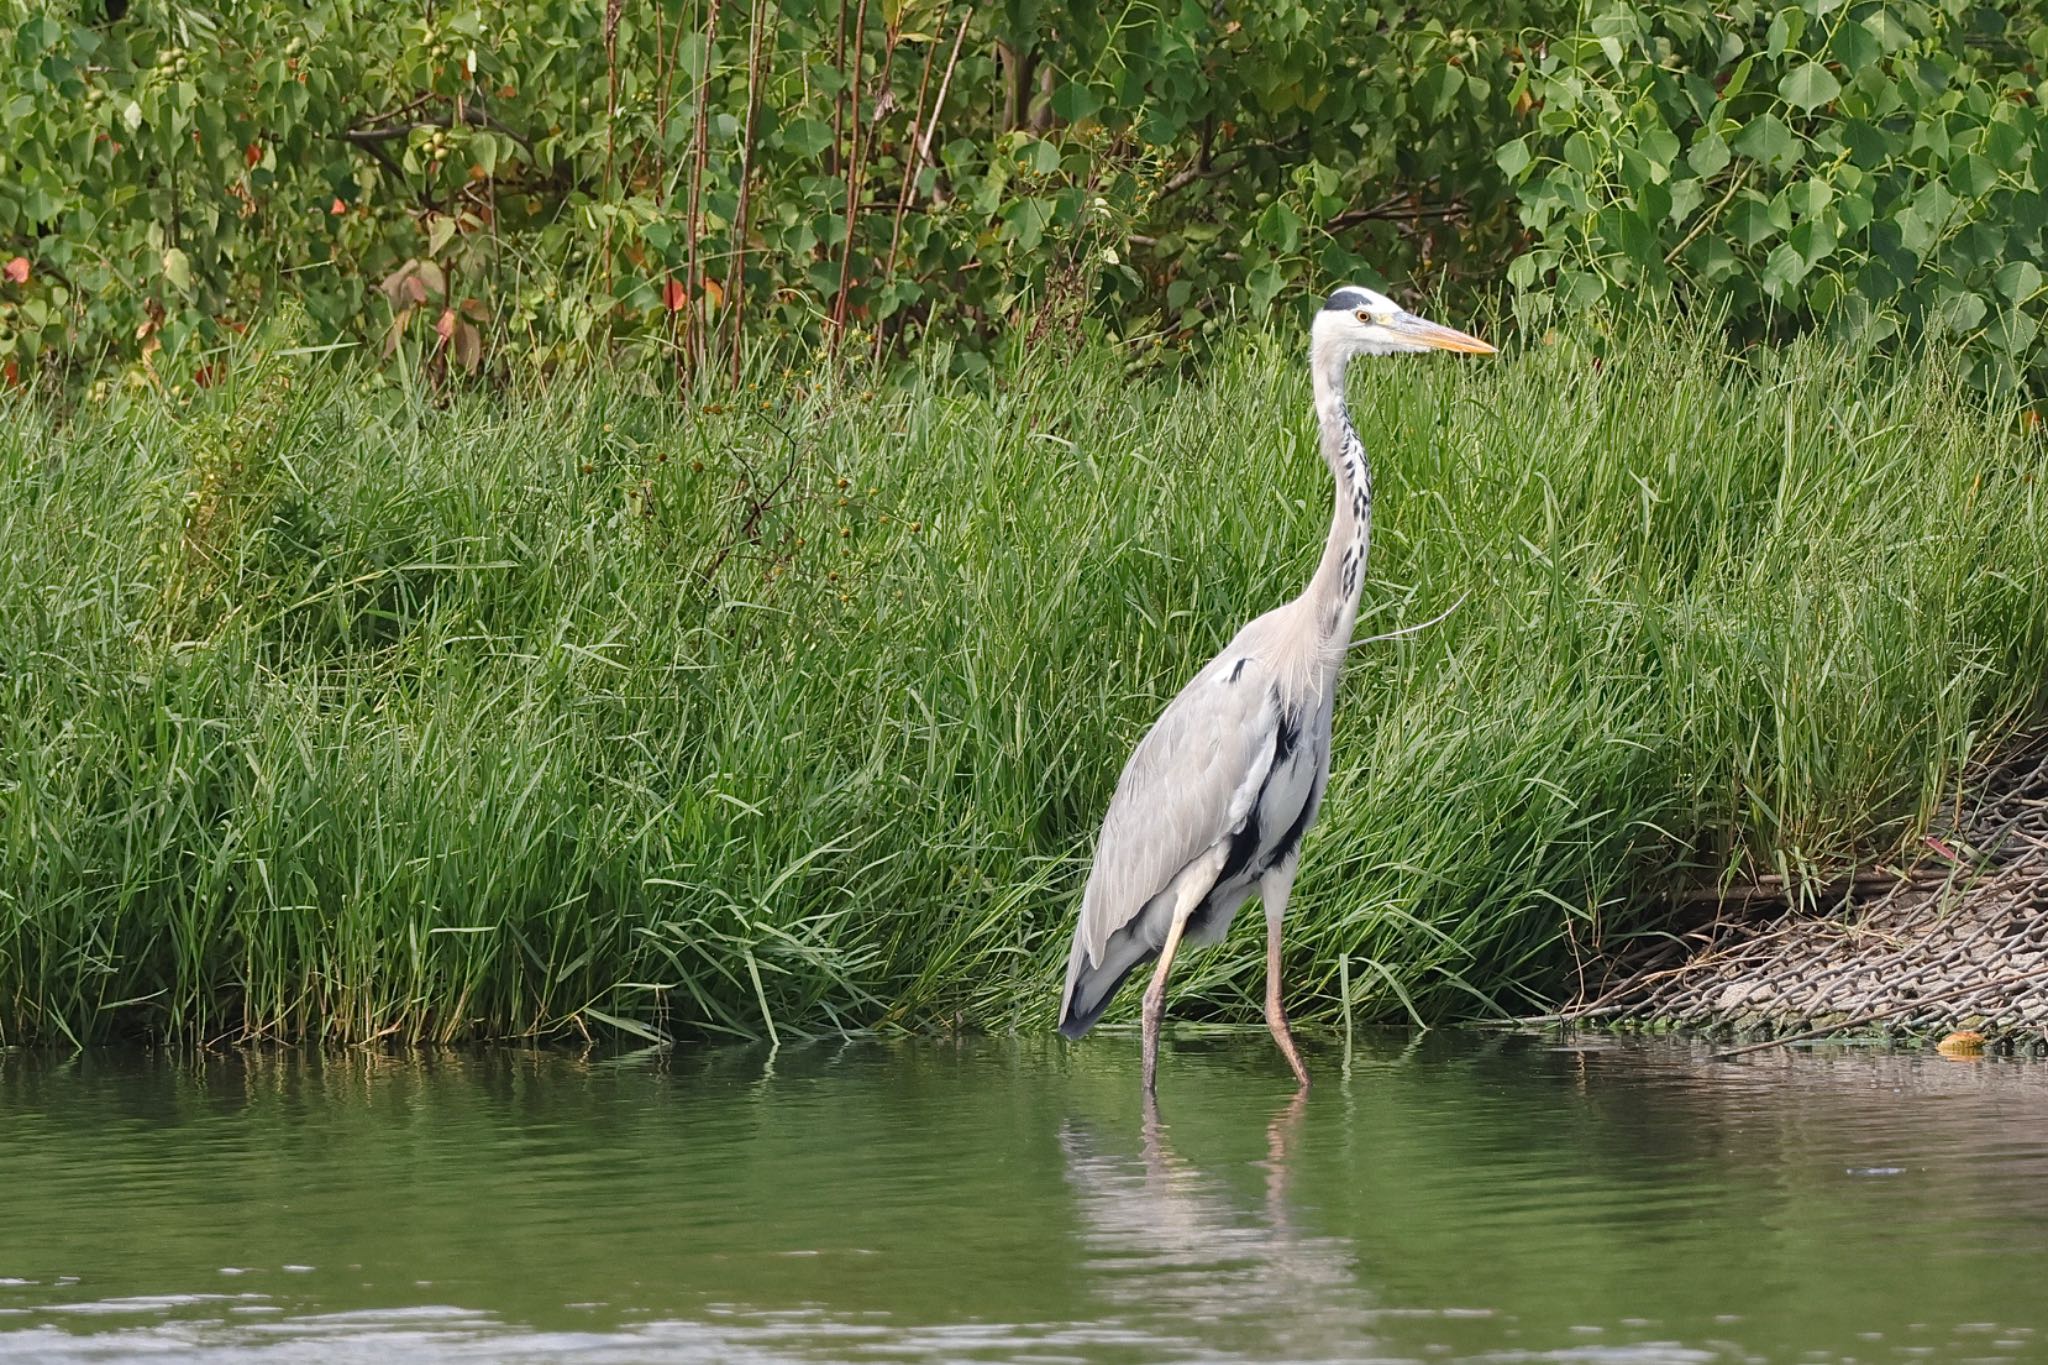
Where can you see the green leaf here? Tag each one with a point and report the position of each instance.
(1074, 102)
(1264, 282)
(1025, 220)
(806, 136)
(1808, 87)
(1526, 270)
(1779, 35)
(1513, 158)
(1809, 197)
(1708, 156)
(1714, 259)
(2018, 280)
(1972, 175)
(1660, 145)
(2003, 143)
(1855, 47)
(1280, 226)
(1686, 195)
(1750, 220)
(1768, 139)
(178, 270)
(1738, 79)
(1960, 310)
(1783, 269)
(1582, 288)
(2013, 331)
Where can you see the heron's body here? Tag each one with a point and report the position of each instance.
(1212, 805)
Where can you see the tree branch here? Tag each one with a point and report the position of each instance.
(471, 117)
(1395, 210)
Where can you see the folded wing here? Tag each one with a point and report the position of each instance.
(1191, 783)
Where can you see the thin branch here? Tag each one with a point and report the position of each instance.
(611, 97)
(924, 142)
(736, 276)
(699, 151)
(1708, 217)
(924, 82)
(1395, 212)
(839, 99)
(852, 168)
(471, 116)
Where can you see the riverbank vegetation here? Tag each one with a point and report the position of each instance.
(337, 708)
(512, 188)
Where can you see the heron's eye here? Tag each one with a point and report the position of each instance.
(1364, 316)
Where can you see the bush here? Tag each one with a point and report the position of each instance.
(515, 183)
(1877, 169)
(505, 187)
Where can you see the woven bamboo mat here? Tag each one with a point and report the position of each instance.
(1959, 942)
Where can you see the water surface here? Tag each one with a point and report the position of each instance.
(1486, 1198)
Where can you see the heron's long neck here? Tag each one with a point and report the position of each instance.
(1333, 593)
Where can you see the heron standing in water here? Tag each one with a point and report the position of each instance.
(1213, 803)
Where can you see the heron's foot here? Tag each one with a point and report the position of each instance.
(1155, 1012)
(1276, 1020)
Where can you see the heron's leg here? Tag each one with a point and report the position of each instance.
(1274, 889)
(1155, 998)
(1196, 880)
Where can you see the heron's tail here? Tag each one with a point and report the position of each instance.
(1091, 988)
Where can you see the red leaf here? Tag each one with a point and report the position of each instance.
(206, 376)
(17, 270)
(674, 295)
(254, 154)
(444, 326)
(337, 208)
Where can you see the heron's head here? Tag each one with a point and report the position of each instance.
(1359, 321)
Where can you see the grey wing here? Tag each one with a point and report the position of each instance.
(1191, 783)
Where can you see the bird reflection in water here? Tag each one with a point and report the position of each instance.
(1181, 1254)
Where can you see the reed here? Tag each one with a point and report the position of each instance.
(332, 711)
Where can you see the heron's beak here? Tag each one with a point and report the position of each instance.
(1438, 337)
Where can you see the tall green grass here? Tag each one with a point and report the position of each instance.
(333, 714)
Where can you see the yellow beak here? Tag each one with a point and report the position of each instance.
(1438, 337)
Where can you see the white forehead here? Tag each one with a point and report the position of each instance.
(1352, 297)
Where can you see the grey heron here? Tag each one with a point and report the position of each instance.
(1213, 802)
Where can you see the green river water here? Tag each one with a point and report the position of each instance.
(1458, 1197)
